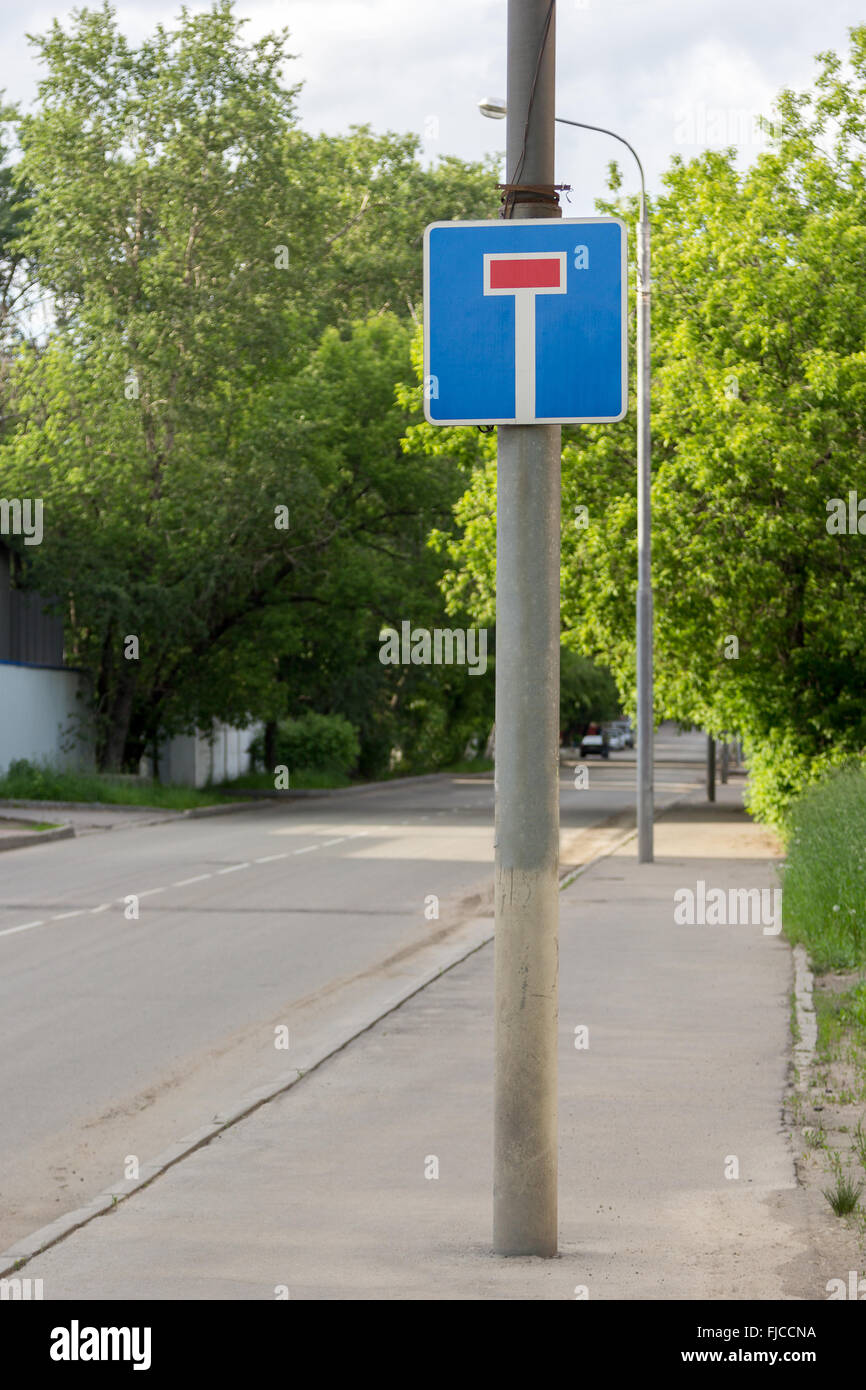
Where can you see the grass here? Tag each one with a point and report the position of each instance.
(470, 765)
(844, 1196)
(841, 1019)
(795, 1027)
(304, 779)
(460, 767)
(38, 782)
(26, 781)
(824, 879)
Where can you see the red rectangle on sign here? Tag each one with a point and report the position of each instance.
(522, 274)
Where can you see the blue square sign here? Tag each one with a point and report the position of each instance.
(525, 322)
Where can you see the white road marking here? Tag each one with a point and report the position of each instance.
(185, 882)
(10, 931)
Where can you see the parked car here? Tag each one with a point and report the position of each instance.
(595, 740)
(616, 740)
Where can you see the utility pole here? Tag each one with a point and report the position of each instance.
(645, 717)
(527, 719)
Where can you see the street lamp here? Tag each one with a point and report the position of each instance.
(495, 108)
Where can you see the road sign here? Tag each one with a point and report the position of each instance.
(525, 322)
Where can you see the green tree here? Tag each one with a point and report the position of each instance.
(198, 249)
(586, 692)
(378, 569)
(759, 390)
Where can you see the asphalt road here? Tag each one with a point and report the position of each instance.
(119, 1035)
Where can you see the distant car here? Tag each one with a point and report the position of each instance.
(597, 742)
(616, 740)
(624, 727)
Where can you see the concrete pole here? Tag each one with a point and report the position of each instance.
(527, 731)
(645, 720)
(711, 768)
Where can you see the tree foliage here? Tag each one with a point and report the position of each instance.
(211, 422)
(759, 420)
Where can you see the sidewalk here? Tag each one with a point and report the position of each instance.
(323, 1190)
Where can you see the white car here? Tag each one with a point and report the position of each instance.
(616, 740)
(623, 726)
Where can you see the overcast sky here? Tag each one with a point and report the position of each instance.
(670, 75)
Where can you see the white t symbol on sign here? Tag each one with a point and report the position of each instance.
(525, 274)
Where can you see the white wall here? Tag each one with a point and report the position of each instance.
(193, 760)
(40, 716)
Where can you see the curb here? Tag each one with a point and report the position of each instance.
(81, 805)
(166, 811)
(28, 1247)
(301, 792)
(221, 808)
(38, 837)
(807, 1022)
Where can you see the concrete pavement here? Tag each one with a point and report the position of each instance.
(371, 1177)
(121, 1035)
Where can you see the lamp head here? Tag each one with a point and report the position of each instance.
(493, 107)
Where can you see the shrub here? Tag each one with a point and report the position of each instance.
(327, 742)
(782, 767)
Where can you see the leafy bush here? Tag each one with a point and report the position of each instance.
(436, 726)
(823, 900)
(323, 741)
(782, 767)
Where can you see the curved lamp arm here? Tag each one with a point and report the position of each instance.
(604, 131)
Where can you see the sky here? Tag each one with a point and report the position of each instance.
(672, 76)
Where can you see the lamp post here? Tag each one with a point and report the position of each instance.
(496, 109)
